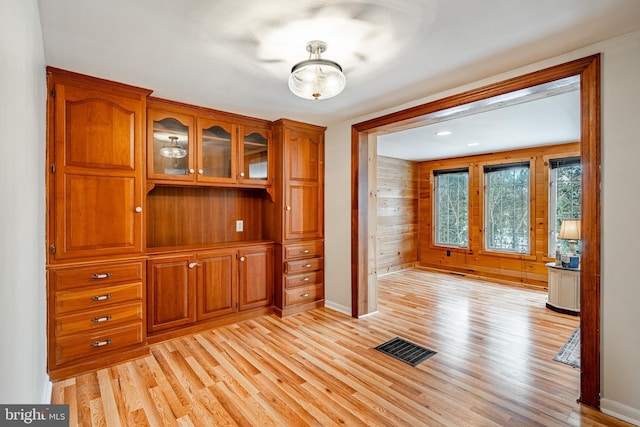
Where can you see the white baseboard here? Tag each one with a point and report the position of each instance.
(368, 314)
(621, 411)
(338, 307)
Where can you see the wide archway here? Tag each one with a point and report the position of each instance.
(363, 297)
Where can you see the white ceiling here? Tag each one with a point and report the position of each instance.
(546, 120)
(236, 55)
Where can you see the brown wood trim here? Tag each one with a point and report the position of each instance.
(359, 220)
(589, 70)
(180, 107)
(414, 115)
(94, 82)
(591, 208)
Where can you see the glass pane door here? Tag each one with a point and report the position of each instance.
(170, 149)
(217, 154)
(255, 146)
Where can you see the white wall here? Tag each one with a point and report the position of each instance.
(23, 376)
(621, 230)
(621, 152)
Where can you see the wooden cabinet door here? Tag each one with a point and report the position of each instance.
(171, 292)
(170, 146)
(254, 155)
(217, 157)
(97, 167)
(303, 192)
(255, 268)
(217, 283)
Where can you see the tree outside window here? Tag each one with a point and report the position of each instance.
(565, 197)
(506, 209)
(452, 207)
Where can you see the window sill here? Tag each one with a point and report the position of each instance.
(512, 255)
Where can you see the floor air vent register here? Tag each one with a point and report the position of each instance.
(405, 351)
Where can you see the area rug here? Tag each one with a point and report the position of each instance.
(570, 353)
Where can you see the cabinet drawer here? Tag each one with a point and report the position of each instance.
(303, 265)
(307, 279)
(302, 294)
(66, 302)
(91, 345)
(97, 275)
(107, 317)
(303, 249)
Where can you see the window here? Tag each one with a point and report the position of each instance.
(565, 197)
(452, 207)
(506, 209)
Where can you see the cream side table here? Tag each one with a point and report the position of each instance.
(563, 289)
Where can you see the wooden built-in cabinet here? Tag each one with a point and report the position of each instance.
(297, 215)
(206, 284)
(96, 167)
(171, 291)
(192, 145)
(214, 218)
(255, 276)
(95, 311)
(302, 275)
(95, 205)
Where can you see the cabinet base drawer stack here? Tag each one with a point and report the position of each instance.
(300, 281)
(96, 315)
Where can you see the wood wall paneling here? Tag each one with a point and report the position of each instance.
(396, 214)
(526, 269)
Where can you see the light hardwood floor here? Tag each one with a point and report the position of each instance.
(494, 367)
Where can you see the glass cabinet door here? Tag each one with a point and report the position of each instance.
(217, 151)
(255, 155)
(170, 146)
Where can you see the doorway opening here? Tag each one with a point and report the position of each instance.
(363, 273)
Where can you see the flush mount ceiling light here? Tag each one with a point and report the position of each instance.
(316, 78)
(173, 150)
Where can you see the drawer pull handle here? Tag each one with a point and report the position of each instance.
(306, 294)
(306, 279)
(101, 276)
(307, 266)
(101, 319)
(100, 343)
(242, 259)
(305, 251)
(193, 264)
(101, 297)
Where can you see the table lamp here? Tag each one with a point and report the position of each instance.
(570, 230)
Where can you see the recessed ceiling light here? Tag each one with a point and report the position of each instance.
(473, 144)
(443, 133)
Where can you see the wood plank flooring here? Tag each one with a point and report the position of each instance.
(494, 367)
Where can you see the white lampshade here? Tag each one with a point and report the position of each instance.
(316, 78)
(570, 229)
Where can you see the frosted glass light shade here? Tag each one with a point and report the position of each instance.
(173, 151)
(316, 78)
